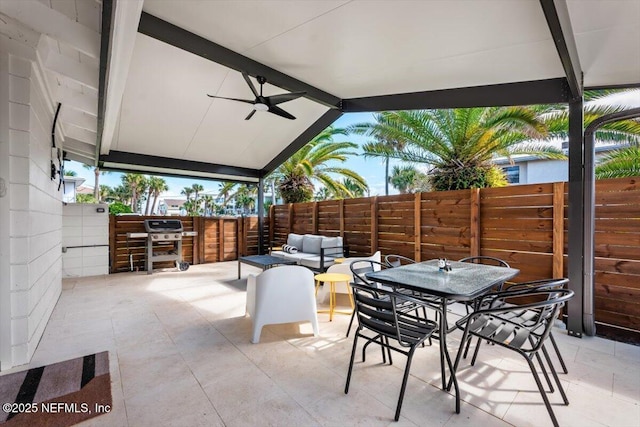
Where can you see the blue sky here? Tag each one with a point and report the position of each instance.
(372, 170)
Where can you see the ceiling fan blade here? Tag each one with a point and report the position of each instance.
(246, 101)
(284, 97)
(248, 80)
(280, 112)
(250, 114)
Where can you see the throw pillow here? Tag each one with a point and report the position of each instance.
(289, 249)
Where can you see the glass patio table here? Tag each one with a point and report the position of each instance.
(465, 282)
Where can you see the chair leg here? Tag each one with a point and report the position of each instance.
(475, 353)
(353, 355)
(555, 347)
(544, 371)
(353, 315)
(542, 392)
(555, 376)
(404, 382)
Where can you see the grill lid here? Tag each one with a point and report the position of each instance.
(162, 225)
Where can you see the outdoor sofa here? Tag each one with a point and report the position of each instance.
(311, 251)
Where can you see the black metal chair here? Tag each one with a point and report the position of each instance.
(361, 268)
(526, 316)
(387, 314)
(504, 325)
(397, 260)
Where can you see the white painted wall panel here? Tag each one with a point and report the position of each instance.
(88, 229)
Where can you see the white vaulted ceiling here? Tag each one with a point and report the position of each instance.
(157, 116)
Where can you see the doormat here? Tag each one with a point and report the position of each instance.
(57, 395)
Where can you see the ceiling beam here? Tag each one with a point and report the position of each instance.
(556, 13)
(124, 30)
(108, 16)
(78, 118)
(183, 39)
(84, 74)
(81, 134)
(303, 139)
(71, 98)
(75, 146)
(520, 93)
(48, 21)
(176, 166)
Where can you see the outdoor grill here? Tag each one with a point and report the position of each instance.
(159, 234)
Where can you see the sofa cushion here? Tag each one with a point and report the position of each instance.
(332, 242)
(314, 261)
(311, 244)
(295, 240)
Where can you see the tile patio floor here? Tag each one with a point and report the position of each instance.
(180, 355)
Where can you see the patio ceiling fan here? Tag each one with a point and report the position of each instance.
(265, 103)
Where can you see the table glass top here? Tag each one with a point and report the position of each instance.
(464, 282)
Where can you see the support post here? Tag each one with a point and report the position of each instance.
(576, 217)
(261, 216)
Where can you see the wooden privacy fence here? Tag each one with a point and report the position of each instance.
(525, 225)
(218, 239)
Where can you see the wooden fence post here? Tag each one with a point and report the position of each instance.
(314, 218)
(194, 240)
(474, 225)
(374, 224)
(341, 207)
(417, 226)
(240, 237)
(201, 239)
(220, 239)
(290, 218)
(272, 223)
(558, 229)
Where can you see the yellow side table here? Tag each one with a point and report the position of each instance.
(339, 260)
(332, 279)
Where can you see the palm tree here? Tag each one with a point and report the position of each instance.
(209, 204)
(137, 184)
(246, 197)
(311, 163)
(187, 191)
(105, 192)
(322, 194)
(122, 193)
(355, 190)
(459, 144)
(96, 180)
(197, 188)
(156, 186)
(383, 143)
(402, 178)
(620, 163)
(227, 191)
(70, 173)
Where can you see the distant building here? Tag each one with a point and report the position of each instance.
(525, 169)
(171, 207)
(71, 186)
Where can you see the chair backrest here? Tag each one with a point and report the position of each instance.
(487, 260)
(546, 307)
(397, 260)
(360, 268)
(376, 310)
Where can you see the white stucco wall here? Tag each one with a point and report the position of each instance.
(34, 276)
